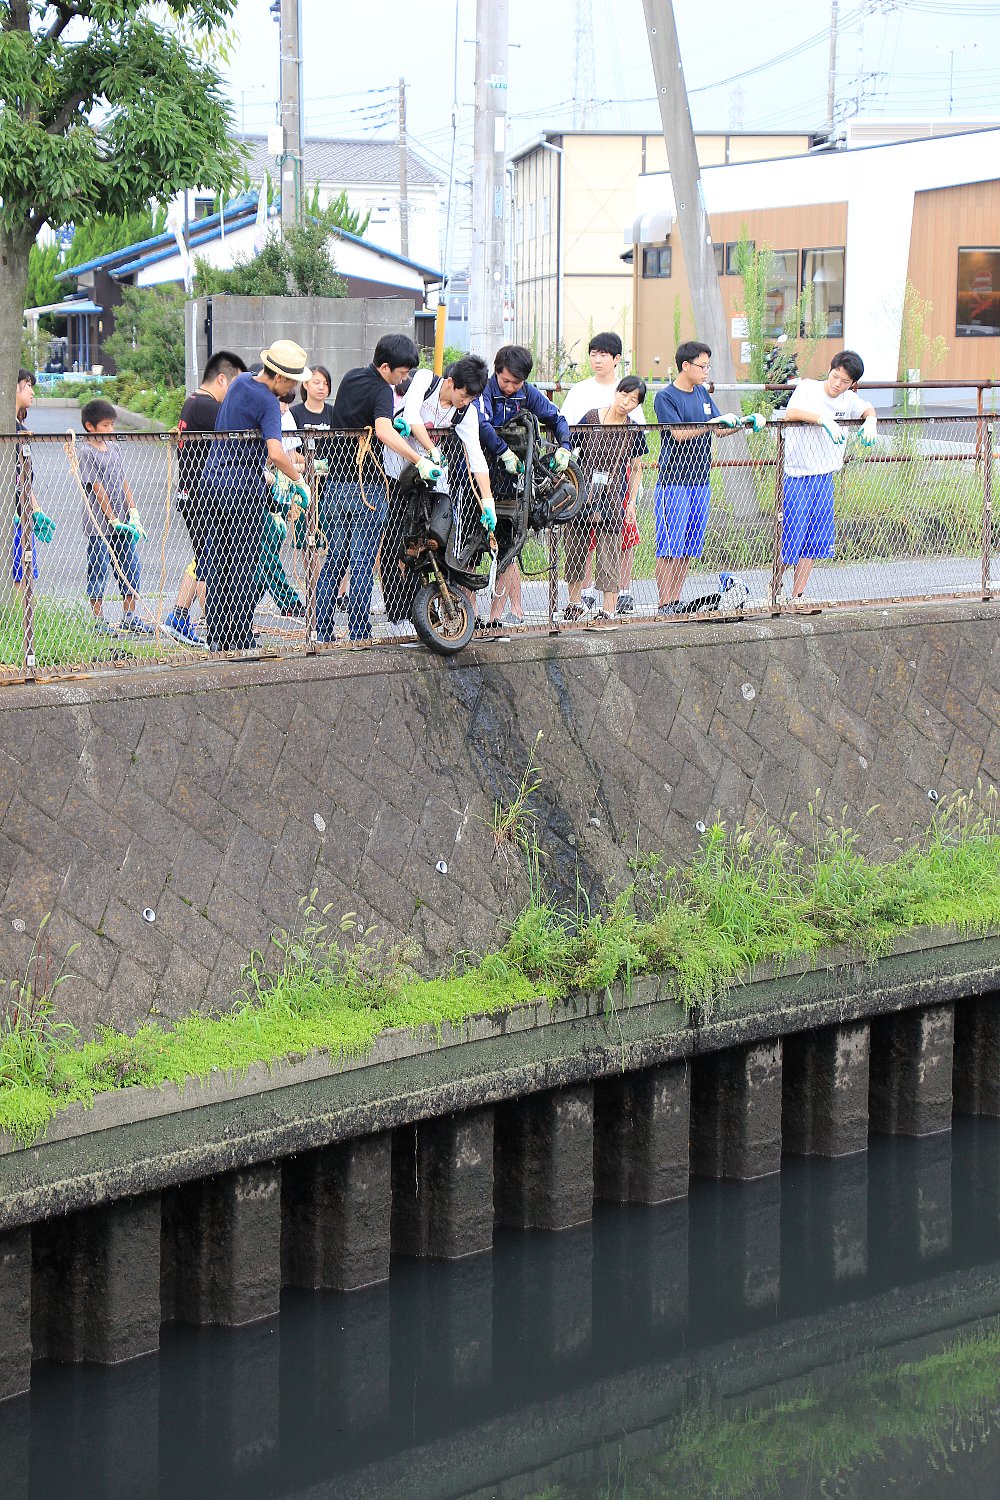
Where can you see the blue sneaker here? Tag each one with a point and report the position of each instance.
(181, 629)
(132, 625)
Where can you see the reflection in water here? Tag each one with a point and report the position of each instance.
(831, 1332)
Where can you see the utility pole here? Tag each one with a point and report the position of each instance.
(489, 198)
(404, 191)
(290, 116)
(583, 65)
(685, 179)
(831, 72)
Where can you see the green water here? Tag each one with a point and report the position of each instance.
(832, 1332)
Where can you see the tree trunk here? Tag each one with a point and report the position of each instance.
(15, 246)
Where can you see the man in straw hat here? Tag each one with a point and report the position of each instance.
(234, 491)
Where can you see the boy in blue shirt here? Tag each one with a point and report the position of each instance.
(681, 499)
(507, 393)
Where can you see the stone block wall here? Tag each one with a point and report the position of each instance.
(216, 797)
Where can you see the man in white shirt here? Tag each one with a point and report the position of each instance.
(597, 394)
(814, 452)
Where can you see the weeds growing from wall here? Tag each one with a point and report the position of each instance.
(749, 896)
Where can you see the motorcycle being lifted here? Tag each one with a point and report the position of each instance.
(445, 546)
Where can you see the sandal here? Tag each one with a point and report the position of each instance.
(572, 613)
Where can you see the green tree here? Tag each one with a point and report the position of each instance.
(296, 263)
(107, 104)
(148, 340)
(44, 266)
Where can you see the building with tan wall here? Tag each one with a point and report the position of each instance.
(573, 191)
(852, 226)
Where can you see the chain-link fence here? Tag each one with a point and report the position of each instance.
(138, 550)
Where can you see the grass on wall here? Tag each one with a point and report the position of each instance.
(748, 896)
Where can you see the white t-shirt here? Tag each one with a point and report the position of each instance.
(419, 407)
(590, 395)
(808, 450)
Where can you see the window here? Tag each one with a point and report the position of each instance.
(656, 262)
(978, 308)
(823, 280)
(732, 257)
(203, 207)
(782, 290)
(720, 258)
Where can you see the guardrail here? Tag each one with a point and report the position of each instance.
(912, 520)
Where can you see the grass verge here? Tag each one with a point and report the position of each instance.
(748, 896)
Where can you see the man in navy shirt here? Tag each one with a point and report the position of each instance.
(233, 492)
(506, 394)
(356, 497)
(681, 501)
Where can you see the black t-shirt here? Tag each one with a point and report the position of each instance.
(320, 420)
(362, 397)
(198, 414)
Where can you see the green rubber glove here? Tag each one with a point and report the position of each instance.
(488, 517)
(428, 471)
(275, 528)
(435, 456)
(129, 530)
(402, 426)
(755, 421)
(869, 432)
(43, 526)
(836, 434)
(511, 462)
(727, 419)
(560, 460)
(133, 517)
(300, 490)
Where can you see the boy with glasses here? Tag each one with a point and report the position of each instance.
(681, 501)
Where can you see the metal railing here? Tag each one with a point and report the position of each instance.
(89, 587)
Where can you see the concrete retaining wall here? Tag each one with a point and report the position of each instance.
(217, 797)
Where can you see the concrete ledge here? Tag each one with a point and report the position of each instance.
(141, 1140)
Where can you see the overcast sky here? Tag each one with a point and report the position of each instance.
(894, 57)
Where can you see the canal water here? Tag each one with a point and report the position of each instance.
(832, 1332)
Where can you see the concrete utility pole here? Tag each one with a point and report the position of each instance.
(489, 198)
(404, 191)
(685, 179)
(831, 71)
(290, 117)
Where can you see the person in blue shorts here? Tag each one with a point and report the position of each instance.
(681, 501)
(814, 453)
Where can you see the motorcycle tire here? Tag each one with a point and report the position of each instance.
(569, 497)
(447, 636)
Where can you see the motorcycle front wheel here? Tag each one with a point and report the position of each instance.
(444, 631)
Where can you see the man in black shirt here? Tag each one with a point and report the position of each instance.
(357, 491)
(198, 414)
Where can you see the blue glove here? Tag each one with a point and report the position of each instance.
(402, 426)
(43, 526)
(488, 517)
(755, 422)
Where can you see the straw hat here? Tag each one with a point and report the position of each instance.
(287, 358)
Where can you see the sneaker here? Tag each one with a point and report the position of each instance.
(625, 605)
(665, 610)
(588, 600)
(101, 627)
(132, 625)
(603, 618)
(343, 601)
(179, 627)
(735, 591)
(572, 613)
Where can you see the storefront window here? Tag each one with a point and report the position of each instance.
(782, 290)
(656, 262)
(823, 280)
(978, 307)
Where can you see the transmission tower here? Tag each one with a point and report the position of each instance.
(583, 64)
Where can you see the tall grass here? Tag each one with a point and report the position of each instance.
(748, 896)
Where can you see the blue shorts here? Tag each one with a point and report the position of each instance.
(17, 560)
(681, 518)
(125, 577)
(807, 518)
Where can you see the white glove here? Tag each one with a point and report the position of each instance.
(428, 471)
(728, 419)
(435, 455)
(755, 421)
(511, 462)
(869, 431)
(836, 434)
(560, 460)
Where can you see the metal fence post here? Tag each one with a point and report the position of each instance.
(311, 520)
(987, 509)
(777, 571)
(553, 576)
(26, 522)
